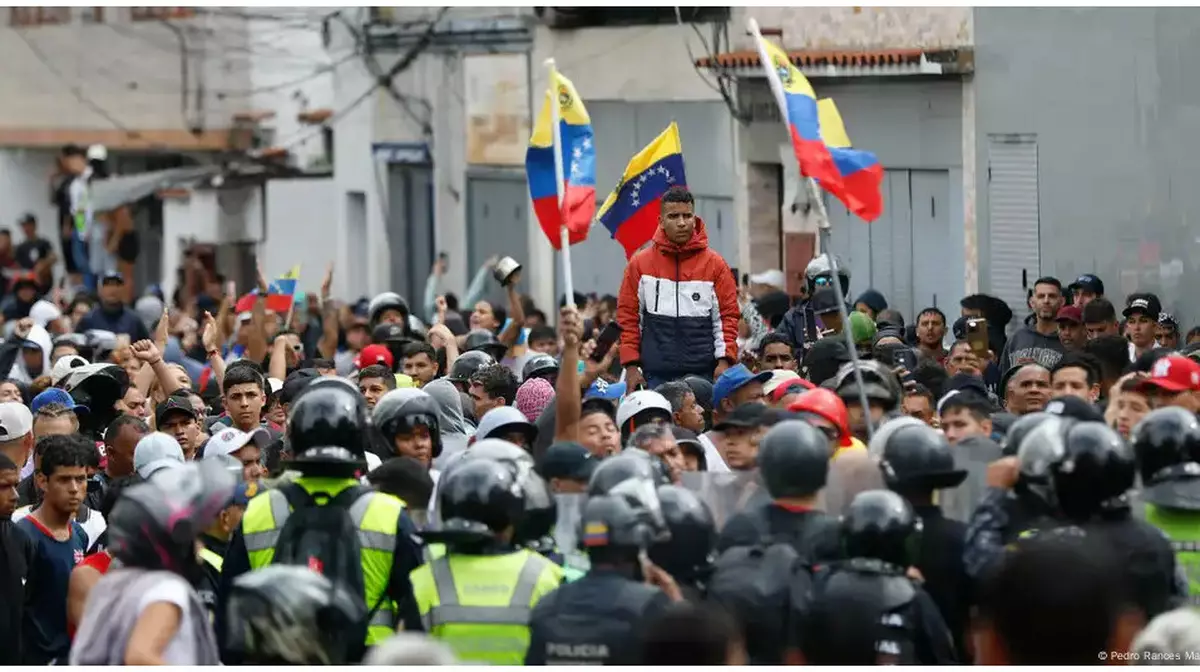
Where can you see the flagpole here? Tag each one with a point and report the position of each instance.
(814, 196)
(559, 183)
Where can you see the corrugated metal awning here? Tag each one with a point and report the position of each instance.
(827, 63)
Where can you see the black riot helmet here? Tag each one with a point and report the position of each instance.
(881, 524)
(540, 365)
(479, 497)
(467, 364)
(1096, 472)
(619, 468)
(614, 528)
(793, 459)
(918, 459)
(819, 272)
(880, 383)
(485, 341)
(401, 410)
(291, 615)
(1165, 442)
(539, 509)
(328, 414)
(688, 554)
(385, 302)
(1041, 449)
(1018, 430)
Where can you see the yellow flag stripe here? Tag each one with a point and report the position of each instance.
(570, 110)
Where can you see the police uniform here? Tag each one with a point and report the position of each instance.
(1182, 529)
(480, 605)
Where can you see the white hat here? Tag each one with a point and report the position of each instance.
(642, 400)
(15, 421)
(778, 377)
(155, 452)
(64, 366)
(97, 153)
(276, 385)
(773, 277)
(231, 439)
(43, 312)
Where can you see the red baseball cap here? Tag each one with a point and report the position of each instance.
(1070, 314)
(1174, 373)
(374, 354)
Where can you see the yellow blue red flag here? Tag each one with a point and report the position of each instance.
(860, 170)
(578, 160)
(630, 213)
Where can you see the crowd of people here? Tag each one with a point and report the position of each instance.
(691, 471)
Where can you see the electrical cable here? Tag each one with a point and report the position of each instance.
(73, 88)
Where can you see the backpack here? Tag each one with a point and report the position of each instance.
(324, 538)
(755, 584)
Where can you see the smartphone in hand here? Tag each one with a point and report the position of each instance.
(605, 341)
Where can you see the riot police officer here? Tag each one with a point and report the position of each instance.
(1091, 483)
(793, 460)
(688, 554)
(883, 391)
(283, 615)
(466, 365)
(597, 619)
(327, 432)
(534, 530)
(407, 419)
(879, 534)
(477, 598)
(917, 462)
(1166, 444)
(1018, 498)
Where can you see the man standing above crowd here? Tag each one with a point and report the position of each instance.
(678, 307)
(1038, 342)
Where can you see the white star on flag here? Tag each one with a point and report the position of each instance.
(577, 153)
(635, 203)
(587, 143)
(574, 168)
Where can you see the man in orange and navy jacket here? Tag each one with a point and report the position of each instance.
(678, 308)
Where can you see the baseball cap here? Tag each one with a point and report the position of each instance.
(155, 452)
(54, 395)
(113, 276)
(1145, 303)
(63, 367)
(773, 277)
(1088, 282)
(243, 493)
(172, 404)
(734, 378)
(1168, 320)
(862, 328)
(15, 420)
(744, 417)
(567, 459)
(1070, 314)
(231, 439)
(1075, 408)
(602, 389)
(1174, 373)
(689, 442)
(778, 377)
(374, 354)
(295, 384)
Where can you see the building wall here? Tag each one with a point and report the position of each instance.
(861, 27)
(130, 70)
(1110, 95)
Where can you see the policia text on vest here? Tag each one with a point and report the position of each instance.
(386, 536)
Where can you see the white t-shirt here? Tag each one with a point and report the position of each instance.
(712, 457)
(181, 650)
(94, 526)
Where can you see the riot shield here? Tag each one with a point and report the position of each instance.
(853, 471)
(726, 493)
(974, 454)
(566, 530)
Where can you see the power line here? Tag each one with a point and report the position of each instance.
(74, 87)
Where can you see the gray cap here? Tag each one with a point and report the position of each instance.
(155, 452)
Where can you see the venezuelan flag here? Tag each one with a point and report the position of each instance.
(862, 175)
(803, 122)
(285, 284)
(280, 293)
(578, 160)
(630, 213)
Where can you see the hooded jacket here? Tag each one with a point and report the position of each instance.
(454, 429)
(678, 308)
(10, 354)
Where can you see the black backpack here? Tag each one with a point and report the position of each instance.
(325, 539)
(755, 584)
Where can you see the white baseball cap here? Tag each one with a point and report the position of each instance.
(231, 439)
(63, 367)
(773, 277)
(155, 452)
(15, 421)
